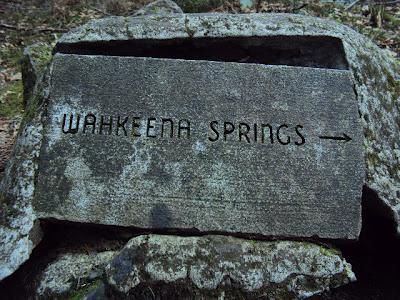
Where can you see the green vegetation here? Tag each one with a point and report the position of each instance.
(41, 54)
(11, 99)
(83, 291)
(329, 251)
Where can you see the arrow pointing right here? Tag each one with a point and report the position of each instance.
(344, 138)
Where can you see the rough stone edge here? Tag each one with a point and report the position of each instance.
(20, 230)
(71, 272)
(33, 64)
(137, 266)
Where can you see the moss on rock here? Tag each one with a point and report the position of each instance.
(84, 290)
(33, 65)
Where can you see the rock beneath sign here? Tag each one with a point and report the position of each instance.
(219, 266)
(159, 7)
(172, 267)
(71, 272)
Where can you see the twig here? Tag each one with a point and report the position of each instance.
(388, 3)
(7, 26)
(258, 5)
(299, 7)
(352, 4)
(49, 29)
(99, 10)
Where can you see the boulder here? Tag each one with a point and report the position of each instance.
(19, 228)
(161, 266)
(71, 273)
(376, 79)
(375, 73)
(173, 267)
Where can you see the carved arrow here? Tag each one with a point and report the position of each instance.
(344, 138)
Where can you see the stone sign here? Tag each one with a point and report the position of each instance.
(204, 145)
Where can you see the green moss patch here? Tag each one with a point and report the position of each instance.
(83, 291)
(41, 54)
(329, 251)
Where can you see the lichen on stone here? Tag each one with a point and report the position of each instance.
(73, 274)
(19, 229)
(211, 265)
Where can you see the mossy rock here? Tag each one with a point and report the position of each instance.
(34, 62)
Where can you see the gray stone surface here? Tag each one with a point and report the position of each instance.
(290, 183)
(19, 230)
(159, 7)
(225, 267)
(19, 226)
(375, 73)
(208, 267)
(71, 272)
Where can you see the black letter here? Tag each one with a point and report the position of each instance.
(149, 126)
(119, 124)
(163, 121)
(244, 133)
(277, 135)
(255, 133)
(215, 131)
(303, 140)
(103, 124)
(135, 125)
(228, 131)
(271, 134)
(89, 123)
(71, 130)
(187, 128)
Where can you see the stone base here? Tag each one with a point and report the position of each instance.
(162, 266)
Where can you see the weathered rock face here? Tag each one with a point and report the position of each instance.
(35, 60)
(19, 227)
(19, 230)
(172, 267)
(376, 75)
(72, 272)
(224, 266)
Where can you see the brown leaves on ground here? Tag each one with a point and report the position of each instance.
(8, 132)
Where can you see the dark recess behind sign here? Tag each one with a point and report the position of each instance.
(303, 51)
